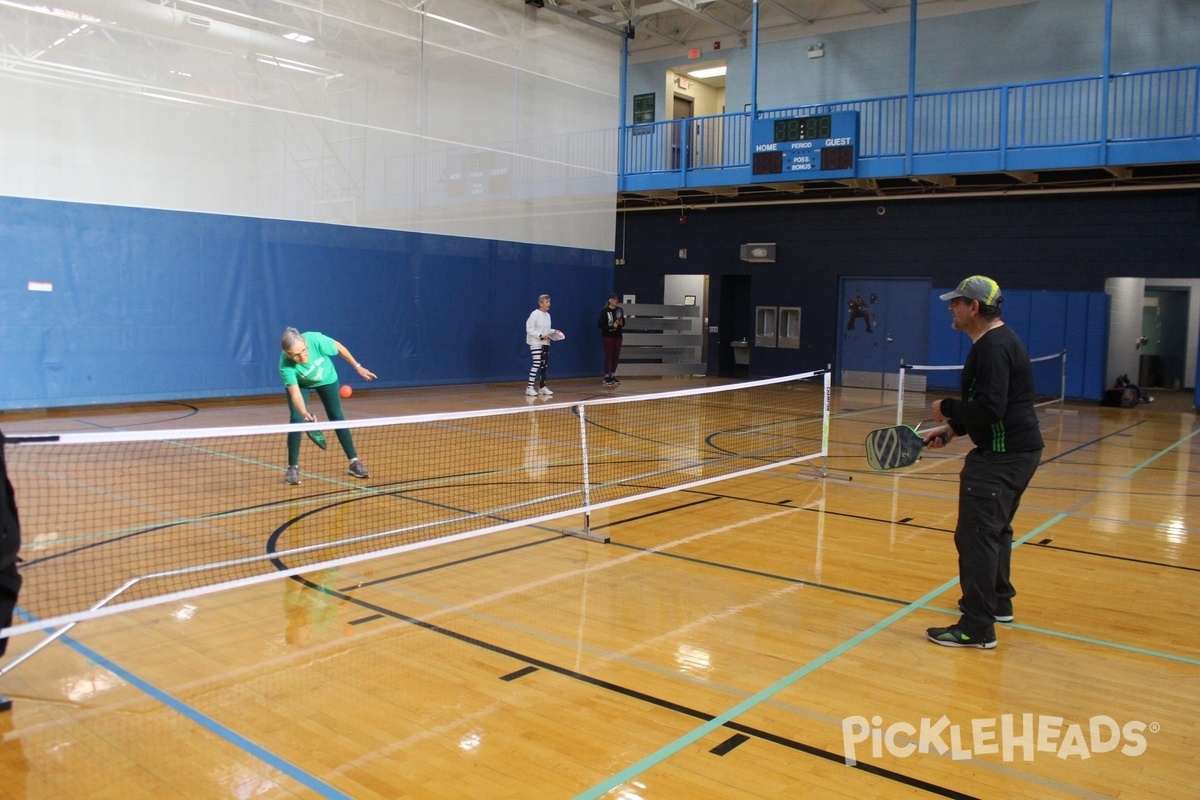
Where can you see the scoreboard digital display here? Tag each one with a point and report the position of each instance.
(796, 129)
(805, 148)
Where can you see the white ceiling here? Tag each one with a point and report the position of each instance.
(680, 31)
(670, 28)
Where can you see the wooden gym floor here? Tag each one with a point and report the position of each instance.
(736, 641)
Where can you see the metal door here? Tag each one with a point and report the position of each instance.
(882, 321)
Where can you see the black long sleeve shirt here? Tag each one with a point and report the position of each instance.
(996, 408)
(608, 321)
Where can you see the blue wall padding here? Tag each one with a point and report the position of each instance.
(1047, 322)
(164, 305)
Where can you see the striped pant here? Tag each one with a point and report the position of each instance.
(540, 356)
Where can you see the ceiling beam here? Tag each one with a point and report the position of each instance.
(862, 184)
(622, 31)
(689, 7)
(936, 180)
(872, 6)
(789, 12)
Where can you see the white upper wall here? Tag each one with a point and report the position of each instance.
(499, 127)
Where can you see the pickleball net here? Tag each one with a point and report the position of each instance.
(113, 521)
(919, 384)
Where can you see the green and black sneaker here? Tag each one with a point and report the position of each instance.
(954, 637)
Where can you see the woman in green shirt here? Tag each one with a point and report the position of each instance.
(306, 364)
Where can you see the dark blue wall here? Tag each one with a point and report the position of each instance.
(1060, 243)
(154, 305)
(1048, 322)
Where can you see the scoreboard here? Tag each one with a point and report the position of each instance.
(805, 148)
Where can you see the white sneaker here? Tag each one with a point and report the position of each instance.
(532, 392)
(545, 391)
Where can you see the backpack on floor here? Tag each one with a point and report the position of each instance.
(1123, 394)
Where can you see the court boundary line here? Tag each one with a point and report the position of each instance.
(674, 747)
(1128, 648)
(210, 724)
(786, 681)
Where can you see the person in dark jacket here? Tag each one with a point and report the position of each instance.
(10, 546)
(995, 409)
(611, 323)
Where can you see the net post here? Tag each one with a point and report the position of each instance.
(900, 394)
(586, 531)
(826, 394)
(1062, 389)
(827, 386)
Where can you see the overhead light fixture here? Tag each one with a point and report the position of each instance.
(298, 66)
(42, 8)
(449, 21)
(298, 37)
(710, 72)
(184, 100)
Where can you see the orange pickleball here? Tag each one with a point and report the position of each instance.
(345, 391)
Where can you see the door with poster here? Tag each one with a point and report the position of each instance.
(881, 322)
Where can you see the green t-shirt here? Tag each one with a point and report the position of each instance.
(318, 370)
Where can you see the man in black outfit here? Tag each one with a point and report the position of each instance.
(996, 411)
(10, 545)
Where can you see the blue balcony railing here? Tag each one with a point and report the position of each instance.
(1152, 117)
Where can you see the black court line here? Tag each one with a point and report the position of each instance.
(678, 507)
(708, 497)
(381, 612)
(764, 735)
(1085, 445)
(658, 702)
(191, 412)
(521, 673)
(906, 522)
(760, 574)
(730, 743)
(1047, 546)
(457, 562)
(1044, 545)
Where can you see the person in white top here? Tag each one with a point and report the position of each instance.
(537, 336)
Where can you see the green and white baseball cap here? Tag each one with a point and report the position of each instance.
(977, 287)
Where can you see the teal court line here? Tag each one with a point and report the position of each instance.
(718, 721)
(1141, 651)
(781, 684)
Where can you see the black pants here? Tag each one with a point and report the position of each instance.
(10, 585)
(10, 547)
(989, 493)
